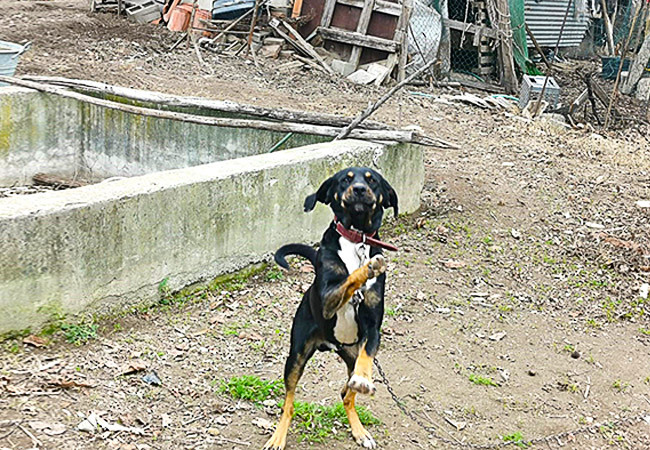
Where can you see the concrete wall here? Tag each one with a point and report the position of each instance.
(59, 136)
(111, 244)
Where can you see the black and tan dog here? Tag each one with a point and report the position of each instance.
(343, 309)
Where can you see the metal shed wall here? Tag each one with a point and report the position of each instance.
(545, 20)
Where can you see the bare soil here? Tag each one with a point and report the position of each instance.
(525, 265)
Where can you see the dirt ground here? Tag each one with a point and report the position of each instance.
(526, 265)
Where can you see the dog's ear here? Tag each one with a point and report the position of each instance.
(389, 197)
(323, 195)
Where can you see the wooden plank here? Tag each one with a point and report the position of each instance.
(469, 28)
(298, 42)
(353, 38)
(381, 6)
(297, 8)
(202, 104)
(579, 101)
(328, 13)
(362, 28)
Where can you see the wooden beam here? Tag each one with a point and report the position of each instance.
(469, 28)
(353, 38)
(203, 104)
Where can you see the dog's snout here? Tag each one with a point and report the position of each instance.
(359, 189)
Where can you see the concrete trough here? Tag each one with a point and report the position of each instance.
(109, 245)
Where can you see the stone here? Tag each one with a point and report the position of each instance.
(643, 89)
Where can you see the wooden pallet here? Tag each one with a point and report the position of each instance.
(339, 24)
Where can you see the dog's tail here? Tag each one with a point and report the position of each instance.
(294, 249)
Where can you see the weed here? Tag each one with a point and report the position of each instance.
(251, 388)
(517, 438)
(620, 385)
(233, 329)
(273, 274)
(79, 334)
(644, 331)
(393, 311)
(316, 423)
(164, 290)
(481, 381)
(593, 323)
(12, 347)
(609, 307)
(569, 348)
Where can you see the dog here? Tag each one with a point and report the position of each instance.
(343, 309)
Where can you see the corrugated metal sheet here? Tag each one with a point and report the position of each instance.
(545, 20)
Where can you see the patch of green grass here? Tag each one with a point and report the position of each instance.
(392, 311)
(252, 388)
(12, 346)
(481, 380)
(517, 438)
(79, 334)
(316, 423)
(233, 329)
(620, 385)
(274, 273)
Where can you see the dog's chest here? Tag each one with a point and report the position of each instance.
(353, 256)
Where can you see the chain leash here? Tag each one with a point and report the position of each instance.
(454, 442)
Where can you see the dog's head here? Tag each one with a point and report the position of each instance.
(357, 196)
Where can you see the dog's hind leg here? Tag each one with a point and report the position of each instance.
(359, 433)
(303, 346)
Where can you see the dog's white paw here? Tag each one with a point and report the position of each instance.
(361, 385)
(367, 442)
(376, 266)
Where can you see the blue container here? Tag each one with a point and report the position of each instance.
(230, 9)
(9, 54)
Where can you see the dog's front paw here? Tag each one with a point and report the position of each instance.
(361, 385)
(376, 266)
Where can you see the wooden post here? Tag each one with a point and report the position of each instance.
(537, 47)
(403, 54)
(620, 66)
(608, 28)
(506, 56)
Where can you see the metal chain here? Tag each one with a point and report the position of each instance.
(454, 442)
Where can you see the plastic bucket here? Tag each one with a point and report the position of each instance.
(9, 53)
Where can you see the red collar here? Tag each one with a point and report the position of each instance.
(357, 237)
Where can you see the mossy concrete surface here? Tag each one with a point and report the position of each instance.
(109, 245)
